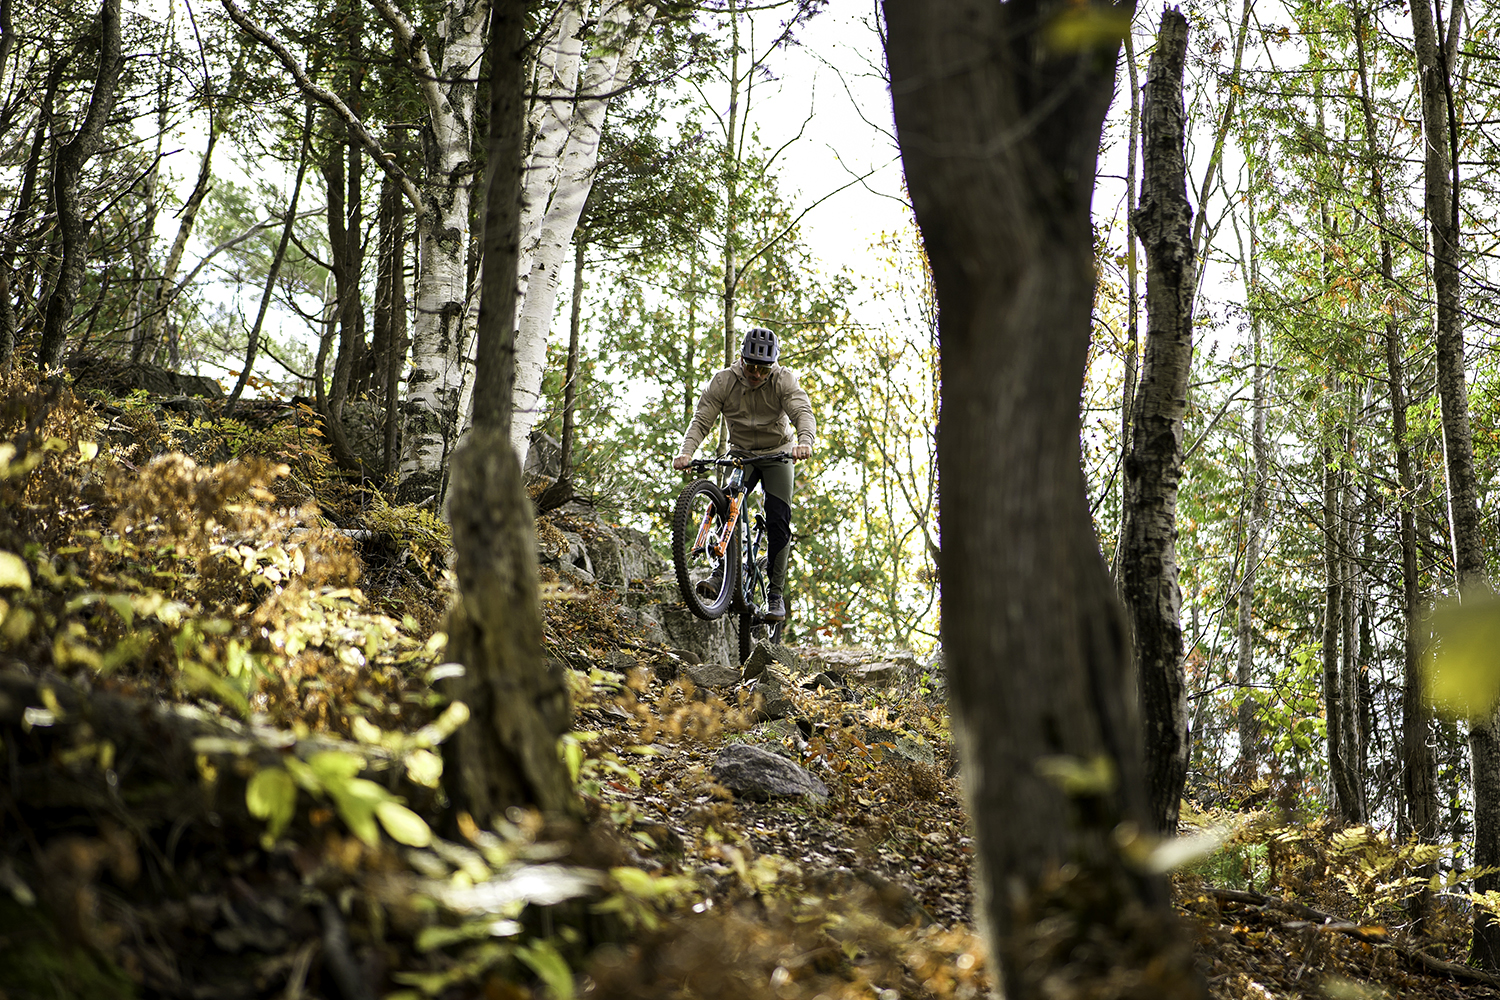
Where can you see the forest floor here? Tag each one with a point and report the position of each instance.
(217, 673)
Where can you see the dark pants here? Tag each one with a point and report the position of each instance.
(776, 479)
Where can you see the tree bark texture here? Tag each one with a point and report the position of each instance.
(1335, 709)
(999, 136)
(570, 377)
(508, 754)
(1433, 58)
(1248, 718)
(1419, 772)
(73, 218)
(1153, 469)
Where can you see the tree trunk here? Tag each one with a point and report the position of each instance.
(1153, 470)
(20, 215)
(1038, 656)
(507, 756)
(1341, 799)
(1419, 773)
(551, 214)
(1350, 735)
(73, 218)
(1248, 720)
(395, 359)
(1132, 281)
(1434, 60)
(570, 377)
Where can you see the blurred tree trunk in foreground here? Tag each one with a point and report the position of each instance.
(999, 108)
(507, 754)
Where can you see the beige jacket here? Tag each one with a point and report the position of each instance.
(760, 420)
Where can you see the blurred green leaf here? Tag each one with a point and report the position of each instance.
(1083, 27)
(271, 795)
(550, 967)
(1462, 664)
(403, 825)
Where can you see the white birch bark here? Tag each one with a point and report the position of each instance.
(550, 215)
(431, 410)
(554, 85)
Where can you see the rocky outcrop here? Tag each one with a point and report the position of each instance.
(584, 549)
(123, 377)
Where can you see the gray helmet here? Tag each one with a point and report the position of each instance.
(761, 347)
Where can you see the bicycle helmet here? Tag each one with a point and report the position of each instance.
(761, 347)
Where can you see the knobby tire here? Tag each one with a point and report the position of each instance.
(700, 496)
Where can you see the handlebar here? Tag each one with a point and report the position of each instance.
(736, 461)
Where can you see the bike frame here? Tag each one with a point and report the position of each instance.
(752, 578)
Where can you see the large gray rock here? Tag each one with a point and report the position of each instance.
(622, 555)
(713, 642)
(767, 653)
(759, 774)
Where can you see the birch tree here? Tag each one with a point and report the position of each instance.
(431, 410)
(568, 119)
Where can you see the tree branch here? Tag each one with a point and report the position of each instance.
(331, 101)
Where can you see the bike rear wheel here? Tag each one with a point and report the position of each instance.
(700, 532)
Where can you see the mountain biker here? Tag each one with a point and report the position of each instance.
(761, 403)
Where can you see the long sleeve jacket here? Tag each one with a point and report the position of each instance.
(760, 420)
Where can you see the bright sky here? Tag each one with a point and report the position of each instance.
(836, 74)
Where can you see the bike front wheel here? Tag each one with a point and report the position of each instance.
(705, 550)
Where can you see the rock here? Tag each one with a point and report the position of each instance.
(711, 675)
(825, 680)
(123, 377)
(766, 653)
(759, 774)
(544, 457)
(880, 674)
(622, 554)
(899, 744)
(771, 687)
(712, 642)
(621, 662)
(877, 668)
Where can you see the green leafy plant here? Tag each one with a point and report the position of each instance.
(272, 795)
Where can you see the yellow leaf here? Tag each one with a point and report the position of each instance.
(13, 572)
(88, 450)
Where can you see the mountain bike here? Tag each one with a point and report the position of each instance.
(719, 535)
